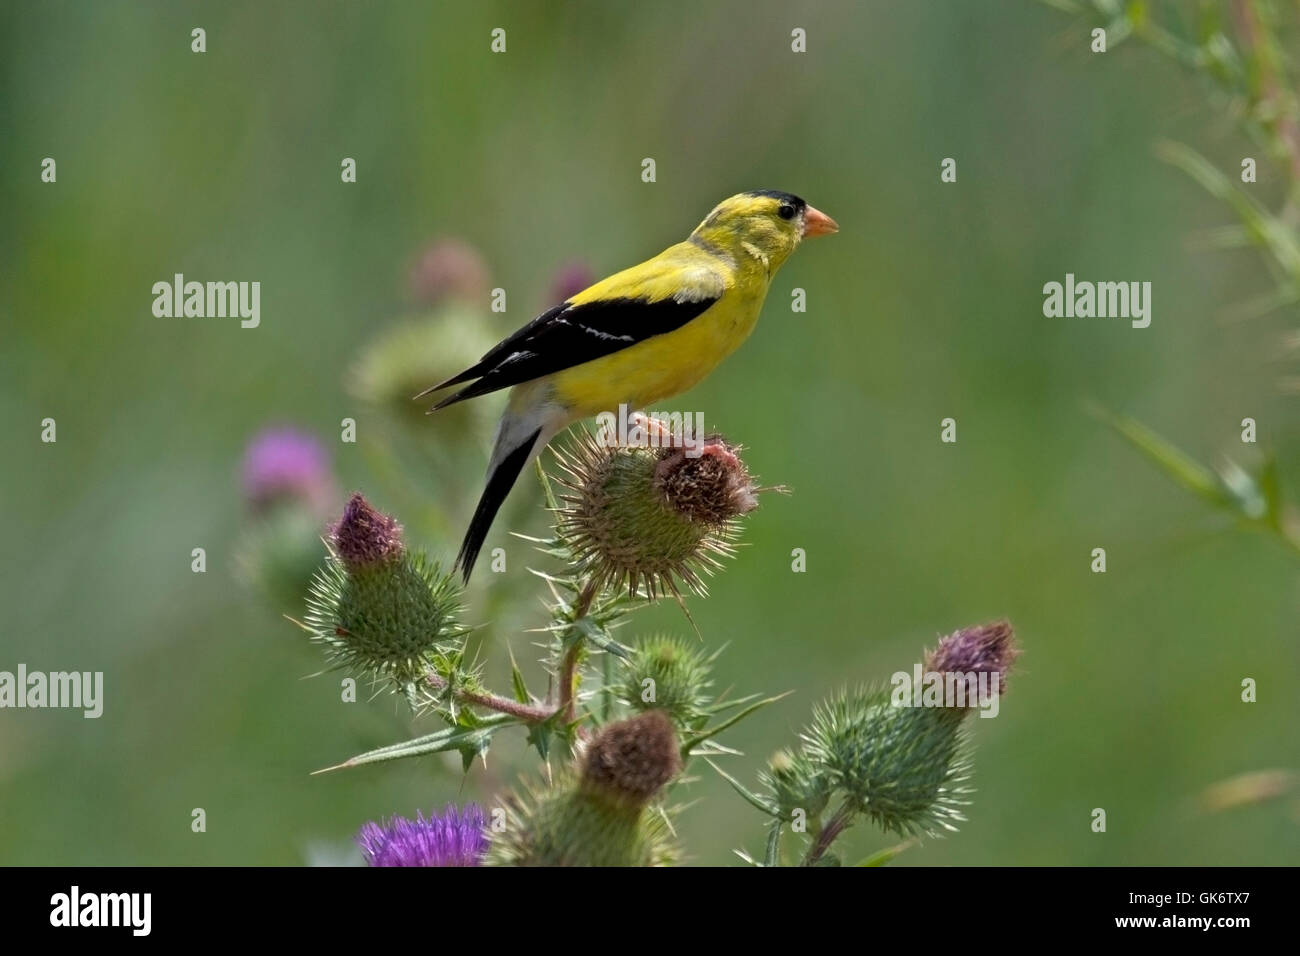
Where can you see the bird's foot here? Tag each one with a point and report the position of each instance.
(649, 432)
(721, 452)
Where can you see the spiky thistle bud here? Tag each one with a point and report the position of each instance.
(901, 766)
(901, 758)
(668, 674)
(601, 816)
(376, 607)
(641, 518)
(796, 783)
(712, 488)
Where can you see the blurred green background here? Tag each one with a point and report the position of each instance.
(928, 304)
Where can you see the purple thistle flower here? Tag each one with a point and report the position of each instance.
(287, 463)
(364, 536)
(983, 649)
(454, 837)
(571, 280)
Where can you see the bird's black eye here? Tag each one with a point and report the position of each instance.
(786, 211)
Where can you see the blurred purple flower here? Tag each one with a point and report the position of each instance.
(571, 280)
(287, 463)
(454, 837)
(449, 269)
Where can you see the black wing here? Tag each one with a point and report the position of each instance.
(570, 335)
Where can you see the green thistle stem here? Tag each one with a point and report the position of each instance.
(836, 825)
(528, 712)
(569, 664)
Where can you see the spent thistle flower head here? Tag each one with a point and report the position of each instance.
(712, 488)
(602, 815)
(631, 760)
(455, 837)
(634, 519)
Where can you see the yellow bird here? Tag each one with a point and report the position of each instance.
(642, 335)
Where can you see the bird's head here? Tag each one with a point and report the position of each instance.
(764, 225)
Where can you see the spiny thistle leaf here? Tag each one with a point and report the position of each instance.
(886, 856)
(470, 742)
(751, 798)
(1181, 467)
(772, 856)
(689, 746)
(1253, 499)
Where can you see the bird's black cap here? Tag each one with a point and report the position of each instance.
(791, 198)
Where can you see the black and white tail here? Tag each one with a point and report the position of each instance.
(506, 465)
(528, 423)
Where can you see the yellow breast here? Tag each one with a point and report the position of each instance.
(662, 366)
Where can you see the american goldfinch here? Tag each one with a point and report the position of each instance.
(642, 335)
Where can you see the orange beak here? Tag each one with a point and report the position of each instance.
(817, 223)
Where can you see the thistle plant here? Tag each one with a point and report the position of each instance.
(902, 765)
(621, 721)
(624, 722)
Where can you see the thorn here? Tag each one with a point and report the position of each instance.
(337, 766)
